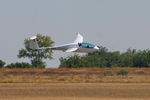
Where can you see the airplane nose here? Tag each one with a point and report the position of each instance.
(96, 48)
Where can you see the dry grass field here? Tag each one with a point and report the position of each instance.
(74, 84)
(74, 91)
(80, 75)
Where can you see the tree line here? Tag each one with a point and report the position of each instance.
(105, 58)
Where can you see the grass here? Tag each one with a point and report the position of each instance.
(83, 75)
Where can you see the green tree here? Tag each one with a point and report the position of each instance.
(126, 59)
(96, 59)
(2, 63)
(113, 59)
(142, 59)
(70, 62)
(37, 56)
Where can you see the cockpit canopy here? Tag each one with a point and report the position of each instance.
(86, 45)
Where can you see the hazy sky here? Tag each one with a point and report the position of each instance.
(115, 24)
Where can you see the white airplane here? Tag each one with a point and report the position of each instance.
(77, 46)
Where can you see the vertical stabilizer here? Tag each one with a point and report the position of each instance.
(79, 38)
(33, 43)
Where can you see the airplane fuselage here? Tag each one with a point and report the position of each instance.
(84, 48)
(77, 46)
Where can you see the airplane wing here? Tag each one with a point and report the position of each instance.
(79, 39)
(71, 49)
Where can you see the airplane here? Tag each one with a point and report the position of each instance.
(77, 46)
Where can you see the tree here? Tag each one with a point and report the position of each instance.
(70, 62)
(142, 59)
(2, 63)
(104, 58)
(37, 56)
(96, 59)
(126, 59)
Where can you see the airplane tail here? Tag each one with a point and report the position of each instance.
(79, 38)
(33, 43)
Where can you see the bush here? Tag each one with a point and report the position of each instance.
(19, 65)
(2, 63)
(123, 72)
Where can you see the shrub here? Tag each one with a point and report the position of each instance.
(19, 65)
(123, 72)
(2, 63)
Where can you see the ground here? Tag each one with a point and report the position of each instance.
(74, 84)
(74, 91)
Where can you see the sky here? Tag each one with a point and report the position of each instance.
(115, 24)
